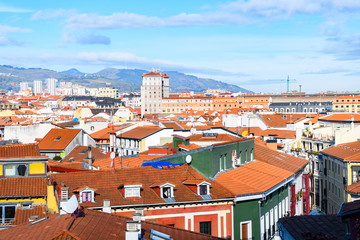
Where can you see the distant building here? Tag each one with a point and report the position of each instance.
(51, 84)
(108, 92)
(155, 86)
(349, 103)
(38, 87)
(179, 103)
(300, 107)
(24, 86)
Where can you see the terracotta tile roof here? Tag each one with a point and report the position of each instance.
(353, 188)
(346, 151)
(217, 138)
(107, 184)
(341, 117)
(173, 125)
(314, 227)
(279, 120)
(94, 225)
(255, 177)
(19, 150)
(22, 215)
(80, 154)
(349, 208)
(140, 132)
(289, 134)
(281, 160)
(23, 186)
(104, 134)
(65, 235)
(190, 147)
(58, 139)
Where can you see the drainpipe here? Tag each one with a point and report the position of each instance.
(259, 204)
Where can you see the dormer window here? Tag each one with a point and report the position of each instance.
(167, 190)
(203, 188)
(132, 190)
(87, 195)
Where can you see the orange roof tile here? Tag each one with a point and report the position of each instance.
(23, 186)
(281, 160)
(353, 188)
(256, 177)
(19, 150)
(341, 117)
(107, 184)
(80, 154)
(22, 215)
(58, 139)
(140, 132)
(93, 225)
(346, 151)
(217, 138)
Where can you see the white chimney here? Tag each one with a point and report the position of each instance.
(132, 231)
(107, 206)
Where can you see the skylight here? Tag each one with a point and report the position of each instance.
(58, 138)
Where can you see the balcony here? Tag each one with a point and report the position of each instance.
(7, 221)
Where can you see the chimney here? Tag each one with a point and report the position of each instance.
(107, 206)
(132, 231)
(90, 157)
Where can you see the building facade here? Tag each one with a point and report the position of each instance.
(349, 103)
(155, 86)
(51, 84)
(38, 87)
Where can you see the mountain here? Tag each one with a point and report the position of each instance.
(73, 72)
(125, 80)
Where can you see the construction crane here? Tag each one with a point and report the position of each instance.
(288, 83)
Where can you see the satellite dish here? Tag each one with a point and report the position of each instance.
(188, 159)
(69, 206)
(112, 155)
(244, 133)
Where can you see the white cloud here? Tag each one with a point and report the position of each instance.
(7, 41)
(284, 8)
(52, 13)
(132, 20)
(13, 10)
(8, 29)
(87, 39)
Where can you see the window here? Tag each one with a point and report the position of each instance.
(7, 213)
(205, 227)
(132, 191)
(203, 188)
(86, 196)
(10, 170)
(166, 192)
(58, 138)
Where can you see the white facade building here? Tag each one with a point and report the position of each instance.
(38, 87)
(24, 86)
(51, 84)
(155, 86)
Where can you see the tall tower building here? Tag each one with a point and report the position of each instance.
(38, 87)
(24, 86)
(51, 84)
(155, 86)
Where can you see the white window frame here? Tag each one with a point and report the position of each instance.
(129, 188)
(167, 185)
(249, 228)
(87, 189)
(276, 216)
(207, 187)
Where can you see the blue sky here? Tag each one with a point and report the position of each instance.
(254, 44)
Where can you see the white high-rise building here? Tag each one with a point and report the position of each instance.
(155, 86)
(38, 88)
(24, 86)
(51, 84)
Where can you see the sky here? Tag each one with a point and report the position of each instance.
(255, 44)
